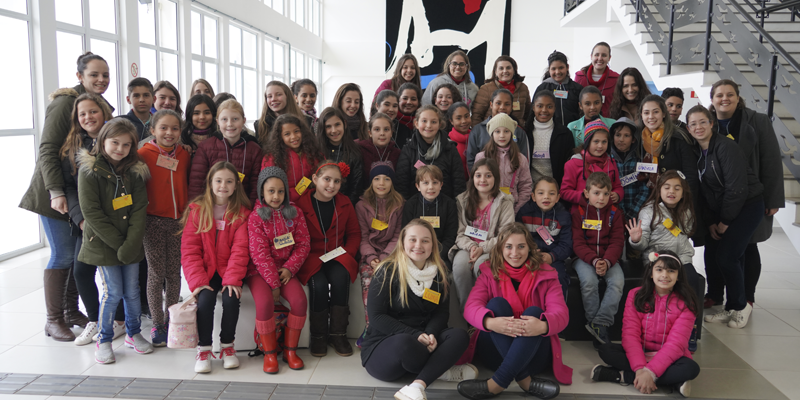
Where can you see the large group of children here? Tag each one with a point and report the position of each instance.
(489, 193)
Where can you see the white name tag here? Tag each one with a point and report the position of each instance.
(650, 168)
(332, 254)
(628, 179)
(541, 154)
(476, 233)
(561, 94)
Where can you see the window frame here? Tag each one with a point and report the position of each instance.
(158, 47)
(203, 58)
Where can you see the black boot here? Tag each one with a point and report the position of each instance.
(338, 333)
(318, 327)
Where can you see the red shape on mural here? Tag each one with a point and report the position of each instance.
(470, 6)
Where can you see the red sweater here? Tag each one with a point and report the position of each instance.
(607, 243)
(267, 260)
(348, 231)
(167, 190)
(371, 154)
(606, 86)
(224, 252)
(296, 168)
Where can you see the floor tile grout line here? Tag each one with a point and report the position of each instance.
(26, 385)
(779, 319)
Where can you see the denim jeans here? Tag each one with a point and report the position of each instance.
(597, 312)
(463, 277)
(62, 243)
(120, 282)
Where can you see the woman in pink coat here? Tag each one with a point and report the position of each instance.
(658, 320)
(518, 306)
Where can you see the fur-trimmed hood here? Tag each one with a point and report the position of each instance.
(63, 92)
(90, 165)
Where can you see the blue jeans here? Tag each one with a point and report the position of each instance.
(597, 312)
(513, 359)
(62, 243)
(120, 282)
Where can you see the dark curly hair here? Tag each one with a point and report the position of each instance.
(278, 150)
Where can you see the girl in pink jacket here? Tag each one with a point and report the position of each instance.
(594, 157)
(656, 326)
(518, 306)
(279, 245)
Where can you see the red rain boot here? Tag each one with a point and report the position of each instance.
(291, 336)
(269, 345)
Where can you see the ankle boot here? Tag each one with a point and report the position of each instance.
(268, 344)
(72, 313)
(338, 336)
(55, 283)
(291, 335)
(318, 325)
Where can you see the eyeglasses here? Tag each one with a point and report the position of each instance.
(704, 123)
(458, 64)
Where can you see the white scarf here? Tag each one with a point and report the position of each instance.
(421, 279)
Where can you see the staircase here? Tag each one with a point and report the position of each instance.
(649, 36)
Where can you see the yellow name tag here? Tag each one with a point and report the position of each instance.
(729, 136)
(674, 230)
(122, 202)
(515, 106)
(432, 220)
(283, 241)
(431, 295)
(378, 224)
(241, 177)
(505, 190)
(167, 162)
(302, 185)
(593, 224)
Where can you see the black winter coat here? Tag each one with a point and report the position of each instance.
(566, 109)
(353, 185)
(446, 209)
(448, 161)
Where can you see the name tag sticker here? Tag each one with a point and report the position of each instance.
(167, 162)
(545, 235)
(220, 224)
(561, 94)
(476, 233)
(434, 221)
(515, 107)
(283, 241)
(650, 168)
(505, 189)
(604, 99)
(122, 202)
(419, 164)
(241, 177)
(378, 224)
(628, 179)
(431, 295)
(302, 185)
(592, 224)
(674, 230)
(541, 154)
(332, 254)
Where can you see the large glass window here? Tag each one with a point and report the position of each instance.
(204, 48)
(298, 11)
(273, 61)
(276, 5)
(158, 41)
(243, 66)
(316, 11)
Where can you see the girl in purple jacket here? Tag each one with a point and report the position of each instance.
(656, 326)
(518, 306)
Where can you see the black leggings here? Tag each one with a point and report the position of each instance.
(206, 302)
(402, 353)
(330, 284)
(682, 370)
(87, 288)
(697, 284)
(752, 272)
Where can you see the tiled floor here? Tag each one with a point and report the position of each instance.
(757, 362)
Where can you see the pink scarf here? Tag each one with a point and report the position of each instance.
(520, 299)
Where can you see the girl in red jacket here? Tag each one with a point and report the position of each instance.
(331, 266)
(656, 326)
(594, 157)
(292, 147)
(279, 245)
(215, 257)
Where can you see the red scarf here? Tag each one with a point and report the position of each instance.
(589, 76)
(601, 162)
(458, 81)
(510, 86)
(458, 137)
(520, 299)
(407, 120)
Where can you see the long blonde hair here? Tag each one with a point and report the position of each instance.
(292, 108)
(497, 261)
(205, 201)
(74, 142)
(397, 263)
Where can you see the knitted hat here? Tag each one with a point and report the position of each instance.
(591, 128)
(501, 120)
(623, 121)
(265, 212)
(382, 168)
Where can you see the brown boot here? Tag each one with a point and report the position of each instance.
(291, 336)
(338, 336)
(72, 313)
(55, 283)
(318, 325)
(268, 344)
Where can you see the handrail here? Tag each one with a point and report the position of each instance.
(774, 43)
(783, 5)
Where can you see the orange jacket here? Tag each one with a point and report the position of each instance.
(167, 190)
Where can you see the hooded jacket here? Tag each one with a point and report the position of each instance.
(448, 161)
(351, 187)
(594, 245)
(661, 237)
(546, 294)
(479, 136)
(111, 237)
(567, 109)
(377, 244)
(501, 213)
(217, 251)
(467, 88)
(443, 207)
(521, 97)
(665, 330)
(576, 172)
(245, 155)
(606, 87)
(521, 178)
(267, 260)
(558, 223)
(167, 190)
(636, 191)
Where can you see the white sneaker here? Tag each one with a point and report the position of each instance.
(86, 336)
(721, 316)
(458, 373)
(228, 355)
(410, 393)
(685, 389)
(204, 356)
(119, 330)
(739, 318)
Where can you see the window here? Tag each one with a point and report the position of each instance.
(74, 36)
(276, 5)
(204, 48)
(17, 133)
(298, 12)
(158, 41)
(298, 65)
(243, 78)
(273, 61)
(315, 17)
